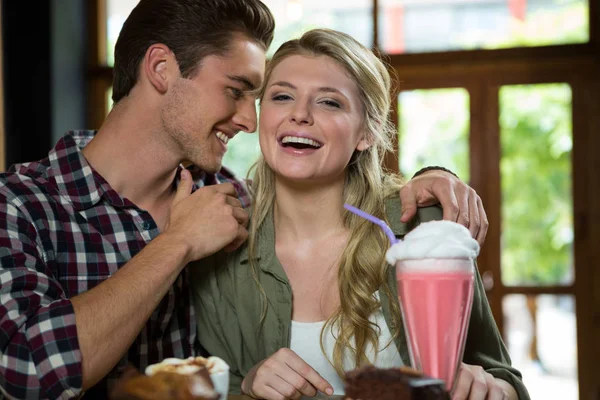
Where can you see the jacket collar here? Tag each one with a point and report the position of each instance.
(267, 259)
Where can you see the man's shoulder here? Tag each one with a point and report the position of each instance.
(24, 182)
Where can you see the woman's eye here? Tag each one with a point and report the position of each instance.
(280, 97)
(331, 103)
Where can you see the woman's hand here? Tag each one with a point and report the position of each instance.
(474, 383)
(284, 375)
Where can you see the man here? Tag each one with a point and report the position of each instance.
(95, 238)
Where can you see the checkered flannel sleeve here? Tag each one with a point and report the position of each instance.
(39, 351)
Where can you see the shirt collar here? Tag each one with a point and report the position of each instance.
(73, 176)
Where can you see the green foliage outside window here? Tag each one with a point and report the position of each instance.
(536, 143)
(243, 151)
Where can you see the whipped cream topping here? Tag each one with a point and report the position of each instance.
(200, 390)
(435, 239)
(189, 366)
(216, 365)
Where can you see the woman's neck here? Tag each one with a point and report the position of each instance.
(308, 212)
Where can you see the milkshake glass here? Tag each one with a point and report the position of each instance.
(435, 274)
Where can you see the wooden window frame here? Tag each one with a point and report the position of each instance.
(482, 73)
(99, 74)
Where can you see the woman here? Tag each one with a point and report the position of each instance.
(311, 296)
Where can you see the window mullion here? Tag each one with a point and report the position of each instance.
(375, 15)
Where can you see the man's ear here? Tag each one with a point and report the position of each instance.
(160, 66)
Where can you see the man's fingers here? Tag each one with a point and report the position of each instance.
(185, 186)
(234, 201)
(409, 205)
(241, 216)
(448, 202)
(474, 217)
(462, 197)
(241, 237)
(225, 188)
(483, 222)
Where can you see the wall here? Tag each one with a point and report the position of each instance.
(44, 72)
(68, 92)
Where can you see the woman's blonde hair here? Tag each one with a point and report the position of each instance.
(362, 269)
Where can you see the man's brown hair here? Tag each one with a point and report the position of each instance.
(192, 29)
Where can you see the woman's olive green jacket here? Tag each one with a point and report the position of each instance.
(228, 308)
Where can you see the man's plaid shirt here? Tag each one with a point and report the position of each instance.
(64, 230)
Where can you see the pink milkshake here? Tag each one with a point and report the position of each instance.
(434, 268)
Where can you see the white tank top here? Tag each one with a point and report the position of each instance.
(306, 342)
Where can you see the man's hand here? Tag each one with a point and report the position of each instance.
(111, 315)
(284, 375)
(458, 200)
(473, 383)
(208, 220)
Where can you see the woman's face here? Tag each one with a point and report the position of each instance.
(311, 119)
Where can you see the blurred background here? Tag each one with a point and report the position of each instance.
(506, 93)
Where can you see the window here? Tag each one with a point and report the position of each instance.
(433, 129)
(421, 26)
(294, 17)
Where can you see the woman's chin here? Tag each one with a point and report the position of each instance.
(306, 180)
(295, 178)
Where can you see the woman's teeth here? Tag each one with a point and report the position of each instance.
(223, 137)
(301, 140)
